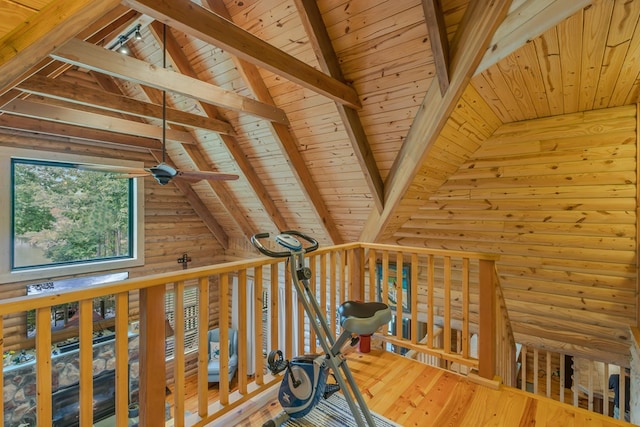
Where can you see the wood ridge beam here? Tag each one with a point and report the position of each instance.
(478, 25)
(211, 28)
(96, 58)
(54, 88)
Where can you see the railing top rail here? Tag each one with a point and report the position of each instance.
(25, 303)
(427, 251)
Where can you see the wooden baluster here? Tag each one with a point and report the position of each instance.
(356, 274)
(414, 298)
(465, 308)
(332, 293)
(257, 324)
(203, 345)
(447, 304)
(242, 332)
(342, 283)
(274, 304)
(523, 367)
(223, 324)
(430, 309)
(536, 368)
(178, 355)
(86, 361)
(399, 297)
(548, 373)
(323, 284)
(312, 287)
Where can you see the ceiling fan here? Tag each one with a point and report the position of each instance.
(163, 173)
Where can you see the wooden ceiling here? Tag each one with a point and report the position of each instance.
(325, 109)
(347, 119)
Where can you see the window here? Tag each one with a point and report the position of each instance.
(60, 219)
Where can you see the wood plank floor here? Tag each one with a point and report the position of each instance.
(414, 394)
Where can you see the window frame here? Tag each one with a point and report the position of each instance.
(8, 275)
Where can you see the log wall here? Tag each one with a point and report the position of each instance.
(172, 228)
(556, 197)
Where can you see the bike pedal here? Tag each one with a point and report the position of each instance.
(329, 389)
(276, 362)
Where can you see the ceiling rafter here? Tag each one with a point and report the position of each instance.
(434, 19)
(77, 133)
(287, 141)
(478, 25)
(96, 58)
(71, 116)
(181, 62)
(209, 27)
(317, 32)
(54, 88)
(52, 26)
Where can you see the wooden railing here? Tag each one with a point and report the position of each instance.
(573, 379)
(428, 289)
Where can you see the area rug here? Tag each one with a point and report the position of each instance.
(335, 412)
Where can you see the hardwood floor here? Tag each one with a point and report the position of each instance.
(414, 394)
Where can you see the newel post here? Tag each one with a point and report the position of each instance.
(152, 356)
(487, 327)
(356, 274)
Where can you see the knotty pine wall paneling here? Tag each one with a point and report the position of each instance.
(556, 198)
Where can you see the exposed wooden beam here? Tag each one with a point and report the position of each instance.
(287, 141)
(35, 127)
(478, 25)
(201, 23)
(180, 61)
(526, 21)
(92, 120)
(312, 20)
(96, 58)
(57, 89)
(52, 26)
(434, 19)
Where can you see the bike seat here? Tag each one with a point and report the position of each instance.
(363, 318)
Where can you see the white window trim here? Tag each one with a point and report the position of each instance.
(8, 276)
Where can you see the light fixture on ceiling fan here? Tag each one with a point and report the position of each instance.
(163, 173)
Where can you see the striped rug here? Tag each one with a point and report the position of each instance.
(334, 412)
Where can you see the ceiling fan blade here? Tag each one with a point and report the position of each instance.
(114, 169)
(195, 176)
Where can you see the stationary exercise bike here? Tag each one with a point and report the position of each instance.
(305, 380)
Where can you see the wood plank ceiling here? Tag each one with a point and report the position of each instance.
(330, 111)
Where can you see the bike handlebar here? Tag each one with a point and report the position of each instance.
(255, 240)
